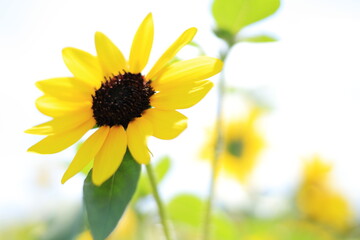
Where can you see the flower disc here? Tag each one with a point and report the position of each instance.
(121, 99)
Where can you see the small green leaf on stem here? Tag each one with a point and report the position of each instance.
(186, 209)
(233, 15)
(161, 169)
(258, 39)
(106, 204)
(224, 228)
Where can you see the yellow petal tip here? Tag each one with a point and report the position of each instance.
(143, 161)
(97, 179)
(31, 149)
(193, 30)
(97, 182)
(220, 63)
(66, 177)
(39, 130)
(38, 85)
(99, 34)
(67, 49)
(218, 66)
(63, 180)
(149, 15)
(29, 131)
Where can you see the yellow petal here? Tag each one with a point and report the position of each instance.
(59, 142)
(66, 88)
(54, 107)
(141, 46)
(189, 70)
(86, 153)
(110, 156)
(166, 124)
(110, 57)
(170, 53)
(181, 97)
(62, 124)
(137, 133)
(84, 66)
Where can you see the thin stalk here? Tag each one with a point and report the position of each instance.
(160, 205)
(219, 142)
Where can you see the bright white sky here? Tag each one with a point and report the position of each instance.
(311, 77)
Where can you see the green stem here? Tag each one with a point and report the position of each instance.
(217, 150)
(159, 202)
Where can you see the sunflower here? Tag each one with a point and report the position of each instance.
(319, 201)
(111, 93)
(242, 146)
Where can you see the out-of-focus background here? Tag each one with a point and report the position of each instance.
(305, 84)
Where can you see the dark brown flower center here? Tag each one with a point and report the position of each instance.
(120, 99)
(235, 147)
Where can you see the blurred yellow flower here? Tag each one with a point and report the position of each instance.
(317, 199)
(242, 146)
(317, 172)
(125, 230)
(306, 230)
(111, 93)
(282, 229)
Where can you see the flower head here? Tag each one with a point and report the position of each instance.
(111, 93)
(242, 146)
(317, 172)
(318, 200)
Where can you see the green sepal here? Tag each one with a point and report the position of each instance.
(106, 204)
(225, 35)
(258, 39)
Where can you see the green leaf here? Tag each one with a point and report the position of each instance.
(233, 15)
(224, 228)
(186, 209)
(161, 168)
(106, 204)
(258, 39)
